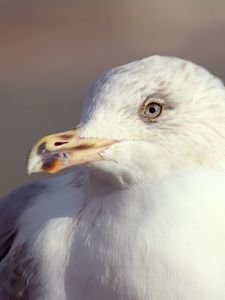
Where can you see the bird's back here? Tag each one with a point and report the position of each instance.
(26, 215)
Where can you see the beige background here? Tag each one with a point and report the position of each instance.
(52, 51)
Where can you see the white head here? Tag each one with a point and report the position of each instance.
(166, 115)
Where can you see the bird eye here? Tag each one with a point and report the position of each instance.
(152, 110)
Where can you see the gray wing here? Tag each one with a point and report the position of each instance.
(11, 208)
(17, 268)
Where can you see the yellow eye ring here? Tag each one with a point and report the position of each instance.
(152, 109)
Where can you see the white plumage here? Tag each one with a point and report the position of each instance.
(144, 218)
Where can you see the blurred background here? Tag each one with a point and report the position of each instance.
(52, 51)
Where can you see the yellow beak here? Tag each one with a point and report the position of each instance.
(58, 151)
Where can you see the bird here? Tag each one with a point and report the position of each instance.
(140, 213)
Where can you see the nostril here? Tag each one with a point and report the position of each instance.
(60, 143)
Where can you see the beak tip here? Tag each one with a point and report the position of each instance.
(33, 164)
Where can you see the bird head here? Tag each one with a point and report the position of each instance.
(143, 120)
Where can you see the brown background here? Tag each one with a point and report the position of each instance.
(52, 51)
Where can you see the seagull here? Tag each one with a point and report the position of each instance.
(141, 217)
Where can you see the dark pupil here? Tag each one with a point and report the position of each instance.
(152, 109)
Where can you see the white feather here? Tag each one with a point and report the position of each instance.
(148, 222)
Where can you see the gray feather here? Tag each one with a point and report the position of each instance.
(19, 276)
(11, 208)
